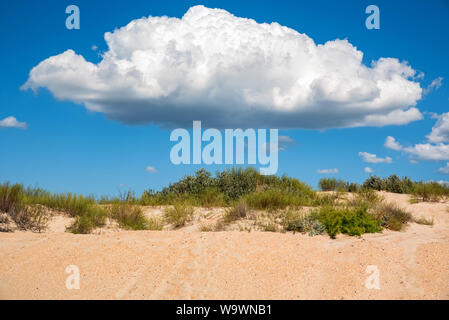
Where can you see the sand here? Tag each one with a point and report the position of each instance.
(188, 264)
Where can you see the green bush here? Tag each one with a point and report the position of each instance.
(228, 186)
(332, 184)
(430, 191)
(393, 184)
(351, 221)
(374, 183)
(211, 197)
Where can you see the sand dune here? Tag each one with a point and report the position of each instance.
(189, 264)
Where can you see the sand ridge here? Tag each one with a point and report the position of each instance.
(188, 264)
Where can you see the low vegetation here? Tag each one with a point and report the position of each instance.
(178, 214)
(132, 217)
(391, 216)
(298, 221)
(244, 192)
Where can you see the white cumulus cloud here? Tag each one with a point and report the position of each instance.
(368, 170)
(231, 72)
(391, 143)
(11, 122)
(436, 149)
(372, 158)
(440, 131)
(327, 171)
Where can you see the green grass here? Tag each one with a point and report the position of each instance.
(391, 216)
(179, 214)
(94, 217)
(129, 216)
(26, 216)
(429, 192)
(239, 211)
(274, 199)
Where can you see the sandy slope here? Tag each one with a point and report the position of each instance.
(187, 264)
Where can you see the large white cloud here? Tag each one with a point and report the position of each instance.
(230, 71)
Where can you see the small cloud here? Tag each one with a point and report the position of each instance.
(413, 161)
(150, 169)
(327, 171)
(434, 85)
(94, 48)
(285, 142)
(445, 169)
(11, 122)
(391, 143)
(372, 158)
(419, 75)
(440, 131)
(368, 170)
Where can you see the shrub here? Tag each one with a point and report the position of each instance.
(238, 211)
(374, 183)
(365, 198)
(351, 221)
(33, 217)
(237, 182)
(391, 216)
(332, 184)
(299, 222)
(179, 214)
(353, 187)
(92, 218)
(129, 216)
(430, 191)
(210, 197)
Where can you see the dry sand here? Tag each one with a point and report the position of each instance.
(188, 264)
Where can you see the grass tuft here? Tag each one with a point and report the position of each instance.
(179, 214)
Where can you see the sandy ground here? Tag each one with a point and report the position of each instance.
(188, 264)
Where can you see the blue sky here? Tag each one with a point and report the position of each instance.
(66, 147)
